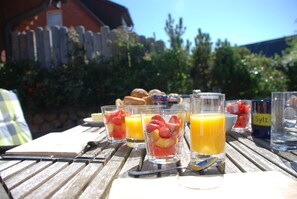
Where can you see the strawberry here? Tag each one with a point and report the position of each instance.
(164, 132)
(241, 121)
(172, 126)
(158, 118)
(233, 108)
(174, 123)
(119, 132)
(151, 127)
(174, 119)
(117, 120)
(247, 109)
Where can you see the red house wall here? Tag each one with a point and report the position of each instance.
(73, 14)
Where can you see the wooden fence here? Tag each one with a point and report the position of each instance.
(50, 46)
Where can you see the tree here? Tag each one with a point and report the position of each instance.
(228, 73)
(289, 63)
(201, 61)
(176, 59)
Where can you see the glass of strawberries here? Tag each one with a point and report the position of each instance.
(114, 121)
(241, 108)
(163, 130)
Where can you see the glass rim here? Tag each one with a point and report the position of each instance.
(207, 93)
(284, 92)
(163, 110)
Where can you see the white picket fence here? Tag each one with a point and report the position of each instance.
(50, 47)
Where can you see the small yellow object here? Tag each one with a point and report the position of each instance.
(96, 116)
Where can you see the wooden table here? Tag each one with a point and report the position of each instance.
(92, 178)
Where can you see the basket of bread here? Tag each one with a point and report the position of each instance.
(139, 96)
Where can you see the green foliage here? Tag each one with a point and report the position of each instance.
(83, 83)
(228, 73)
(201, 62)
(289, 63)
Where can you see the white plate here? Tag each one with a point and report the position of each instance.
(91, 122)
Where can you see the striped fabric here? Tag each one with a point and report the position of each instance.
(13, 127)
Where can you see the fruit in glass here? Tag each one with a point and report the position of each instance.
(242, 109)
(164, 136)
(114, 121)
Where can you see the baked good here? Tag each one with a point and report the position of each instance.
(155, 91)
(139, 92)
(130, 100)
(119, 102)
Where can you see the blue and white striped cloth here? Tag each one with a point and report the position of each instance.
(14, 129)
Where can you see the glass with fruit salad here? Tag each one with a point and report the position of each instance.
(163, 130)
(241, 108)
(114, 121)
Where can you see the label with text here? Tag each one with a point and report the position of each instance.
(261, 119)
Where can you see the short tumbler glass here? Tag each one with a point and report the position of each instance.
(134, 131)
(284, 120)
(114, 121)
(163, 130)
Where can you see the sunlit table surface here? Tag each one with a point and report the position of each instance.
(93, 175)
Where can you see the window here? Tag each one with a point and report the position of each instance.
(54, 17)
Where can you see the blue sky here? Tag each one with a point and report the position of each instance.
(239, 21)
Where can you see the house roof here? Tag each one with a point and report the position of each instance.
(270, 47)
(102, 10)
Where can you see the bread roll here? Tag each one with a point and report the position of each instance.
(139, 92)
(148, 100)
(119, 102)
(155, 91)
(129, 100)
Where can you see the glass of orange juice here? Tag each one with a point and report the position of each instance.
(207, 127)
(134, 131)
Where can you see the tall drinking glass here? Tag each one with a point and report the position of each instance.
(207, 128)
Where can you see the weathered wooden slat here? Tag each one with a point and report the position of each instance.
(97, 43)
(49, 188)
(15, 46)
(75, 186)
(100, 186)
(268, 155)
(40, 45)
(263, 163)
(104, 40)
(24, 175)
(80, 30)
(28, 186)
(133, 162)
(108, 151)
(230, 167)
(63, 44)
(4, 164)
(31, 45)
(47, 48)
(15, 169)
(56, 45)
(23, 46)
(239, 160)
(89, 44)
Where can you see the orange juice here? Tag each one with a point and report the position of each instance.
(134, 127)
(208, 133)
